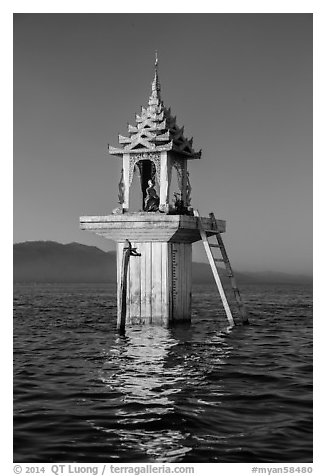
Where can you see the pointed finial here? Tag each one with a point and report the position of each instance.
(156, 66)
(156, 87)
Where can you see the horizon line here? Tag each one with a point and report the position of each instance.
(302, 274)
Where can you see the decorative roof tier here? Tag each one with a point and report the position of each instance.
(156, 129)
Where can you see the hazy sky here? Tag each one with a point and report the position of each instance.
(241, 84)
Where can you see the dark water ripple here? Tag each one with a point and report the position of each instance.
(204, 393)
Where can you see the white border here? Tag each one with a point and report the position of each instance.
(316, 7)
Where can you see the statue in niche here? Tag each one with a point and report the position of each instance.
(152, 200)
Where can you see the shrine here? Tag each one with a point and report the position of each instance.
(154, 286)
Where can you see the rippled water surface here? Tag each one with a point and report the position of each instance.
(201, 393)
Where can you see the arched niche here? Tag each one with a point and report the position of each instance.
(144, 169)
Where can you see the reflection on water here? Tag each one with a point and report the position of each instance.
(196, 393)
(135, 364)
(149, 370)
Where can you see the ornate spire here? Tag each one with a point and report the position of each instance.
(155, 129)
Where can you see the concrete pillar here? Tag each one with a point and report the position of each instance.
(158, 283)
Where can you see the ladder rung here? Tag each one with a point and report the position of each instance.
(212, 245)
(211, 231)
(219, 260)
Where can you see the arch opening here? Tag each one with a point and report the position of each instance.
(144, 171)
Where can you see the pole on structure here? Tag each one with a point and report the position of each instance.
(127, 252)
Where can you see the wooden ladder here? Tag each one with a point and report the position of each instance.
(209, 247)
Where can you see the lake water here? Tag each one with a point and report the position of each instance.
(201, 393)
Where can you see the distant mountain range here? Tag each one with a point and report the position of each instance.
(52, 262)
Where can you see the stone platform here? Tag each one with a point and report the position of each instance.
(148, 227)
(159, 281)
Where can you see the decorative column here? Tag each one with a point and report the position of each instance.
(184, 183)
(126, 174)
(164, 181)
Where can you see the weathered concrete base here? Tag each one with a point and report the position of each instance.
(158, 281)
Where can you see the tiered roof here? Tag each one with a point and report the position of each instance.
(155, 129)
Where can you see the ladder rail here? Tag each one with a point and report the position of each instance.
(236, 292)
(225, 259)
(237, 295)
(214, 270)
